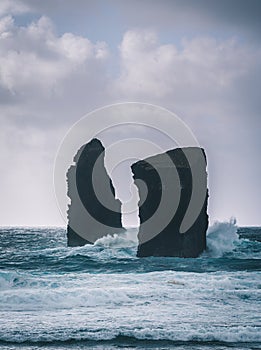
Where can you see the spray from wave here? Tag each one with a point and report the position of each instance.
(221, 238)
(125, 239)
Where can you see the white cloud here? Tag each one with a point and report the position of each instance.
(49, 80)
(207, 82)
(6, 25)
(13, 7)
(45, 80)
(35, 58)
(202, 66)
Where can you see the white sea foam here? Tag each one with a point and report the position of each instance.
(110, 332)
(6, 279)
(119, 240)
(202, 306)
(221, 237)
(52, 305)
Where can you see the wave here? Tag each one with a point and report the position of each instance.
(125, 239)
(25, 291)
(222, 238)
(226, 250)
(102, 292)
(246, 334)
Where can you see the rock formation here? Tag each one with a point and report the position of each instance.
(176, 186)
(94, 211)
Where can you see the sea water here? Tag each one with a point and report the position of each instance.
(102, 296)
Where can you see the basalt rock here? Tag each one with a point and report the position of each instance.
(173, 204)
(94, 212)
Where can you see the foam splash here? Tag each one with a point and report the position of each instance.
(119, 240)
(6, 280)
(222, 237)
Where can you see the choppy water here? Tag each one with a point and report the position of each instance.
(103, 297)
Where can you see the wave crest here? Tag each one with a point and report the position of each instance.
(222, 237)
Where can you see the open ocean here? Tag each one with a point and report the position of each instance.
(103, 297)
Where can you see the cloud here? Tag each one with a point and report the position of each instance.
(212, 84)
(13, 7)
(202, 68)
(33, 58)
(222, 18)
(49, 79)
(200, 14)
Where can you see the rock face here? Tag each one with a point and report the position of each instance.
(94, 211)
(170, 195)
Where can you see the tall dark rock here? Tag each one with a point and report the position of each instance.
(94, 211)
(170, 180)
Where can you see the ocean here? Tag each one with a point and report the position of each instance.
(102, 296)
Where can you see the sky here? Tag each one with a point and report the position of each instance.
(62, 59)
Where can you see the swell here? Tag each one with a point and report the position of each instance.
(130, 341)
(83, 263)
(38, 279)
(45, 251)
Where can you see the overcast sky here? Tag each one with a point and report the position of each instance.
(60, 59)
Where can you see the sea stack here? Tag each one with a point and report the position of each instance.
(173, 203)
(94, 212)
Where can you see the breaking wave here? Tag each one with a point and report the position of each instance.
(54, 294)
(222, 237)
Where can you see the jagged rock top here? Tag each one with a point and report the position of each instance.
(177, 155)
(89, 149)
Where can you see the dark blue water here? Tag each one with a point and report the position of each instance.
(102, 297)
